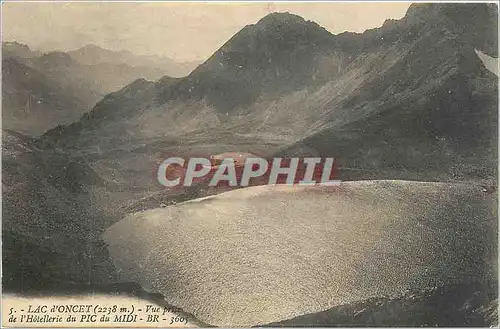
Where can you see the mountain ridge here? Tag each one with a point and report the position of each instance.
(68, 79)
(232, 90)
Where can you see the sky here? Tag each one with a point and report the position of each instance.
(181, 31)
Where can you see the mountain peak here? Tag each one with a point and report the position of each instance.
(286, 21)
(278, 18)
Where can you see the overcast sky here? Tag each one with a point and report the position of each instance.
(182, 31)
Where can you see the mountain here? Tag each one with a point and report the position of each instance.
(18, 50)
(270, 253)
(94, 55)
(98, 80)
(32, 103)
(42, 91)
(411, 98)
(433, 114)
(282, 53)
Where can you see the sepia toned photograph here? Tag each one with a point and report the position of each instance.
(249, 164)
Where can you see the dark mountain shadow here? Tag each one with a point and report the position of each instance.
(472, 304)
(432, 115)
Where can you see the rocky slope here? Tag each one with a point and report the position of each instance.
(50, 224)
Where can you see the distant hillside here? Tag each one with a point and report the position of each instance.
(32, 103)
(94, 55)
(434, 113)
(18, 50)
(50, 226)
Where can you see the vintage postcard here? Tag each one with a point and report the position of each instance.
(248, 164)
